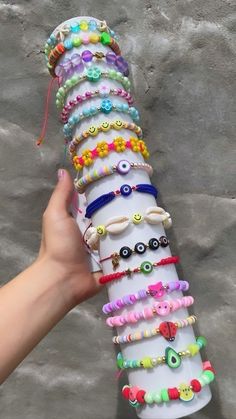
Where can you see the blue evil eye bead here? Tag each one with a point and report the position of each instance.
(92, 25)
(123, 167)
(146, 267)
(106, 106)
(68, 44)
(140, 248)
(164, 242)
(125, 252)
(74, 27)
(153, 244)
(125, 190)
(93, 74)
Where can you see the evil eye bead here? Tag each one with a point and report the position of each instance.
(106, 106)
(123, 167)
(137, 218)
(125, 252)
(125, 190)
(153, 244)
(101, 230)
(164, 242)
(146, 267)
(140, 248)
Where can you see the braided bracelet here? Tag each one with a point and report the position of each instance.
(161, 308)
(124, 190)
(102, 149)
(146, 268)
(185, 392)
(171, 358)
(167, 329)
(116, 225)
(122, 167)
(106, 106)
(93, 131)
(92, 74)
(103, 91)
(76, 62)
(155, 291)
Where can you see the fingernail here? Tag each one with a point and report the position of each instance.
(60, 174)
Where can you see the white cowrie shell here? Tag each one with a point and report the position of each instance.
(168, 221)
(92, 238)
(118, 224)
(155, 215)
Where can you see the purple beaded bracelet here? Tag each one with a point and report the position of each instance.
(155, 290)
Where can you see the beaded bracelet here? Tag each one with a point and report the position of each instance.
(93, 131)
(102, 149)
(124, 190)
(155, 291)
(106, 106)
(92, 74)
(116, 225)
(161, 308)
(76, 62)
(146, 268)
(103, 91)
(76, 42)
(166, 329)
(185, 392)
(140, 248)
(122, 167)
(171, 358)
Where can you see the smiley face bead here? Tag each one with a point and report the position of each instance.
(186, 393)
(93, 74)
(162, 308)
(137, 218)
(105, 126)
(118, 124)
(101, 230)
(93, 131)
(146, 267)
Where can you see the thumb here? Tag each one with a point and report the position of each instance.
(62, 194)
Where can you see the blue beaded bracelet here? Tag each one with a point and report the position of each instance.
(125, 190)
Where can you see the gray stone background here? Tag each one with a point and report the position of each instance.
(182, 58)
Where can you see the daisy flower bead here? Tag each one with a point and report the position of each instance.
(102, 149)
(119, 144)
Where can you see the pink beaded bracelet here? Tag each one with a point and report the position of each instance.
(155, 290)
(161, 308)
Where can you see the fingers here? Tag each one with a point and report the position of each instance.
(61, 197)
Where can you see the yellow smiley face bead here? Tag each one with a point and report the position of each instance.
(185, 393)
(101, 230)
(137, 218)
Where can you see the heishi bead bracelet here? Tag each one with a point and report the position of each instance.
(122, 167)
(125, 190)
(92, 74)
(171, 358)
(103, 92)
(106, 126)
(161, 308)
(102, 149)
(155, 291)
(76, 62)
(116, 225)
(184, 392)
(166, 329)
(146, 268)
(106, 106)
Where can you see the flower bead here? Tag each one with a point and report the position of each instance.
(104, 91)
(119, 144)
(135, 144)
(93, 74)
(143, 149)
(87, 157)
(102, 149)
(76, 163)
(106, 106)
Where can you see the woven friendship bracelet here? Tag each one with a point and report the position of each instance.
(155, 291)
(122, 167)
(184, 392)
(103, 91)
(102, 149)
(124, 190)
(171, 358)
(146, 268)
(166, 329)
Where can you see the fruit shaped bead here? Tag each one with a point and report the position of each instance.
(186, 394)
(172, 358)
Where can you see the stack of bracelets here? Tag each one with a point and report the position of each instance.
(110, 87)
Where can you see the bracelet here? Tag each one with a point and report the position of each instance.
(146, 268)
(122, 167)
(75, 62)
(161, 308)
(155, 291)
(103, 91)
(140, 248)
(76, 42)
(171, 358)
(92, 74)
(185, 392)
(104, 127)
(116, 225)
(102, 149)
(167, 329)
(124, 190)
(106, 106)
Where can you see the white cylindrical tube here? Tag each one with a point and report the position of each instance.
(162, 376)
